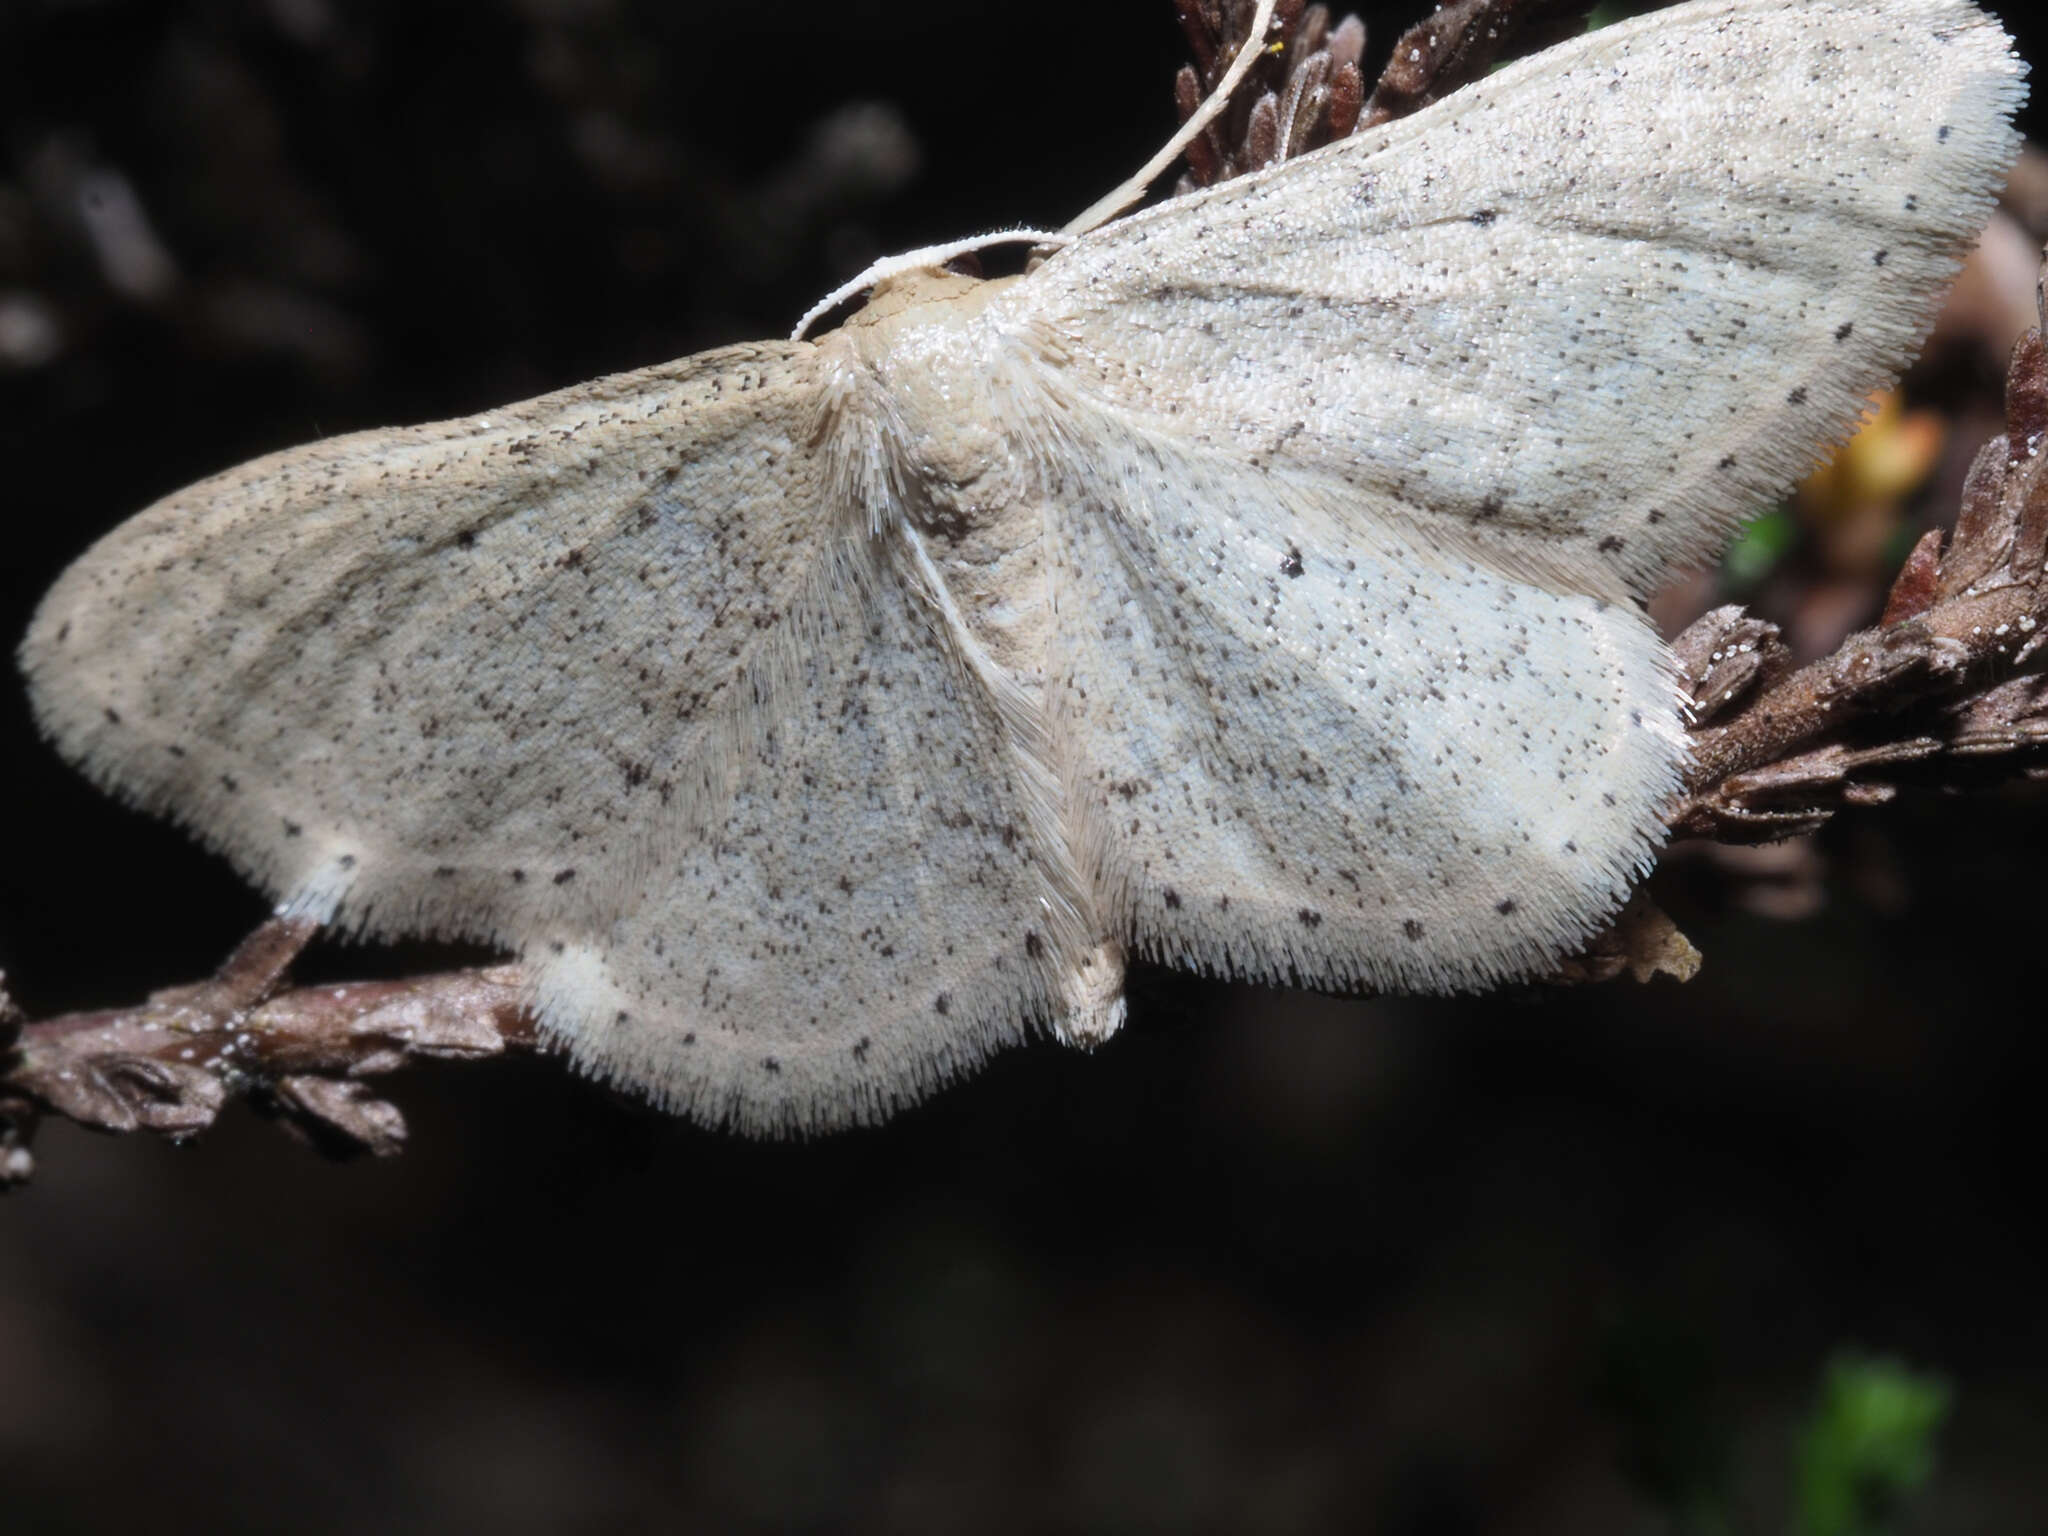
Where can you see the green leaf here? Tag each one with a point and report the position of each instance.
(1868, 1445)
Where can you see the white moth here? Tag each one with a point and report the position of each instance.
(1253, 586)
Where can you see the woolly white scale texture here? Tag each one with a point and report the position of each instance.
(1254, 585)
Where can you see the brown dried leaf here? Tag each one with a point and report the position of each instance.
(2026, 393)
(1914, 591)
(1461, 42)
(255, 971)
(1641, 943)
(2030, 525)
(2010, 717)
(1974, 549)
(1347, 99)
(1346, 44)
(341, 1117)
(1301, 109)
(1262, 133)
(1723, 655)
(122, 1092)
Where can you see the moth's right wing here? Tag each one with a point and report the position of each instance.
(1296, 752)
(445, 678)
(1580, 316)
(618, 678)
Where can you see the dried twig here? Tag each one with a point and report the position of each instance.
(173, 1063)
(1950, 680)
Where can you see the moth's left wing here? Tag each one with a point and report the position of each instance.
(1357, 464)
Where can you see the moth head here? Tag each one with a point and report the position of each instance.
(901, 292)
(928, 263)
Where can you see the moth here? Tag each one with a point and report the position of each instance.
(1254, 585)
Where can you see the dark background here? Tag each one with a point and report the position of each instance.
(1270, 1261)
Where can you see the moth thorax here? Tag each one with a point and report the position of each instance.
(983, 528)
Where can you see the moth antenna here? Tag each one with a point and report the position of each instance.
(1114, 202)
(911, 261)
